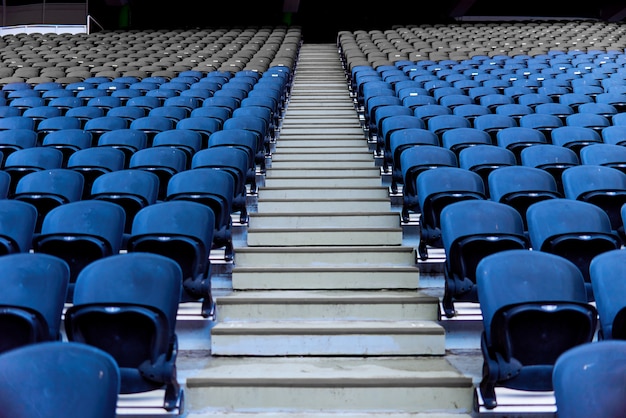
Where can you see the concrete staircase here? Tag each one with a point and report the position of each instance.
(326, 315)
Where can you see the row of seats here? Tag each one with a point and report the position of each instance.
(66, 58)
(540, 332)
(119, 335)
(530, 224)
(465, 40)
(137, 170)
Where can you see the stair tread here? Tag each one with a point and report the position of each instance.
(331, 371)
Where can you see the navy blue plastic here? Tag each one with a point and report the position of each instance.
(52, 367)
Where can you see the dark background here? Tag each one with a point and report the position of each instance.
(322, 19)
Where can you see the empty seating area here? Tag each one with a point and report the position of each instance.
(484, 131)
(131, 162)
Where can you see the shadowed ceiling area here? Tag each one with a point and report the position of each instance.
(322, 19)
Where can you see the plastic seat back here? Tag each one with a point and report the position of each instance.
(35, 287)
(51, 368)
(573, 229)
(182, 231)
(471, 230)
(132, 317)
(534, 308)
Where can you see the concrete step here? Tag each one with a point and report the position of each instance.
(325, 277)
(288, 141)
(330, 384)
(325, 182)
(318, 305)
(371, 256)
(328, 171)
(321, 193)
(292, 151)
(283, 158)
(336, 206)
(320, 163)
(336, 337)
(328, 415)
(312, 236)
(303, 220)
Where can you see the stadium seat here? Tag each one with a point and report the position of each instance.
(162, 161)
(517, 138)
(99, 125)
(471, 230)
(401, 139)
(68, 141)
(213, 188)
(602, 186)
(605, 272)
(81, 232)
(414, 161)
(56, 123)
(551, 158)
(534, 308)
(188, 140)
(435, 190)
(605, 154)
(48, 189)
(93, 162)
(542, 122)
(51, 368)
(484, 159)
(131, 189)
(234, 161)
(588, 380)
(128, 141)
(152, 125)
(85, 113)
(520, 186)
(132, 317)
(573, 229)
(575, 137)
(183, 232)
(12, 140)
(33, 299)
(203, 125)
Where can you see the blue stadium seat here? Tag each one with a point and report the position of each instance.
(48, 189)
(233, 161)
(33, 298)
(605, 154)
(517, 138)
(81, 232)
(602, 186)
(188, 140)
(483, 159)
(131, 189)
(22, 162)
(52, 367)
(551, 158)
(520, 186)
(132, 317)
(588, 380)
(522, 337)
(213, 188)
(162, 161)
(435, 190)
(93, 162)
(606, 273)
(573, 229)
(575, 137)
(12, 140)
(68, 141)
(182, 231)
(470, 231)
(128, 141)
